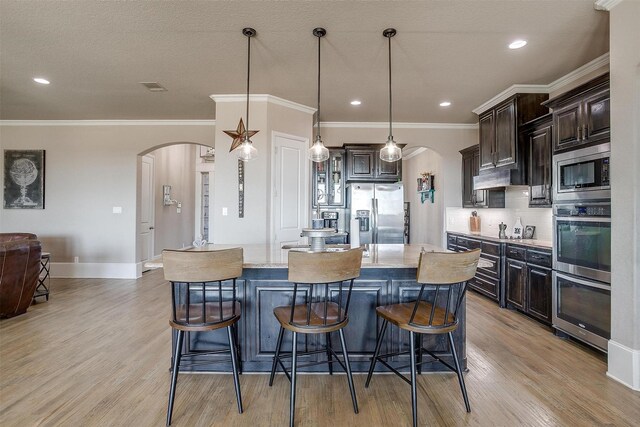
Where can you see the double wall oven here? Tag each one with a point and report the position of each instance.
(582, 244)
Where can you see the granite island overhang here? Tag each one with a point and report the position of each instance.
(388, 276)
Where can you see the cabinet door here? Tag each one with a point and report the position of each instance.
(516, 272)
(320, 183)
(539, 293)
(486, 125)
(596, 122)
(566, 124)
(479, 197)
(505, 134)
(467, 180)
(335, 181)
(387, 171)
(360, 164)
(539, 143)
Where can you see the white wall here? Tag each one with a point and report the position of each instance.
(624, 346)
(174, 166)
(426, 219)
(89, 170)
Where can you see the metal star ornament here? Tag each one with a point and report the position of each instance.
(239, 134)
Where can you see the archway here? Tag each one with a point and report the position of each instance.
(171, 209)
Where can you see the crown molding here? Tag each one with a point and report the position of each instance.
(606, 4)
(580, 72)
(263, 98)
(385, 125)
(551, 87)
(415, 152)
(107, 122)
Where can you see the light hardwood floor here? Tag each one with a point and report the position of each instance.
(97, 354)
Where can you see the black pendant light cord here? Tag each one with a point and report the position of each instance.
(390, 99)
(248, 74)
(318, 115)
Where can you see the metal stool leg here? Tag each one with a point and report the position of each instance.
(349, 376)
(329, 356)
(276, 356)
(414, 393)
(236, 336)
(374, 359)
(420, 352)
(294, 363)
(459, 372)
(234, 365)
(174, 375)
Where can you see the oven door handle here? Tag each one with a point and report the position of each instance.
(583, 219)
(583, 282)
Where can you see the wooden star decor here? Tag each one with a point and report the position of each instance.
(238, 135)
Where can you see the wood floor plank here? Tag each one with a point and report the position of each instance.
(97, 354)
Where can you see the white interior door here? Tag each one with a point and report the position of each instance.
(147, 210)
(290, 188)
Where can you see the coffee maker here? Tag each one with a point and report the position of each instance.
(330, 219)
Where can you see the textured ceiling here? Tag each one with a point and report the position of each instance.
(96, 53)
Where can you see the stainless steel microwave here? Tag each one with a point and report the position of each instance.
(582, 174)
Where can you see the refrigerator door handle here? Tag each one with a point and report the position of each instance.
(374, 234)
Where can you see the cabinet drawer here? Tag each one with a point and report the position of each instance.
(516, 252)
(473, 244)
(485, 285)
(463, 243)
(494, 269)
(540, 258)
(451, 239)
(491, 248)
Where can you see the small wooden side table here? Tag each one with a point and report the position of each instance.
(44, 278)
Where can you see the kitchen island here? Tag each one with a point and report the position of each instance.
(388, 276)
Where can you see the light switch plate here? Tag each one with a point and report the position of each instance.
(225, 212)
(117, 209)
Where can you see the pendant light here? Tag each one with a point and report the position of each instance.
(391, 152)
(318, 152)
(246, 150)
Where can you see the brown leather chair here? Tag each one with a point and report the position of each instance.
(19, 270)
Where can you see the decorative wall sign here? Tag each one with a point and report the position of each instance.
(24, 179)
(240, 188)
(238, 135)
(208, 154)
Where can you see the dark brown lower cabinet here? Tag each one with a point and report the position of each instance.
(516, 277)
(527, 285)
(539, 293)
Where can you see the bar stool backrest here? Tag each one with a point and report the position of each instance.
(330, 269)
(447, 271)
(203, 285)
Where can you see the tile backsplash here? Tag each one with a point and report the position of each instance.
(516, 202)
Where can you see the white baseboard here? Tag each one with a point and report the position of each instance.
(97, 270)
(624, 365)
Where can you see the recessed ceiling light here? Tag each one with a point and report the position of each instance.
(356, 102)
(41, 80)
(445, 103)
(517, 44)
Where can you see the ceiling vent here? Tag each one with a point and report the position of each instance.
(154, 86)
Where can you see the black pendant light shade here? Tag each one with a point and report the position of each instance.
(246, 150)
(318, 152)
(390, 152)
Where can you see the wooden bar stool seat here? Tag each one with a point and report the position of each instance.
(203, 298)
(443, 278)
(329, 276)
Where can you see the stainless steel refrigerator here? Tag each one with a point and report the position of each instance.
(379, 209)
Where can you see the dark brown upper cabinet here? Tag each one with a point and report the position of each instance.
(364, 164)
(499, 127)
(537, 136)
(328, 180)
(477, 198)
(581, 117)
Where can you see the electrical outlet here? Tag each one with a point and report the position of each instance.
(225, 211)
(76, 259)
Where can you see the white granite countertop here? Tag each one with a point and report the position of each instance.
(379, 256)
(544, 244)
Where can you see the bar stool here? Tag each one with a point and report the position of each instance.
(200, 302)
(431, 315)
(327, 271)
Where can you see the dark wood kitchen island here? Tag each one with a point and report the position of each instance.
(388, 276)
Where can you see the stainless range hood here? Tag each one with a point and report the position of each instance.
(498, 178)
